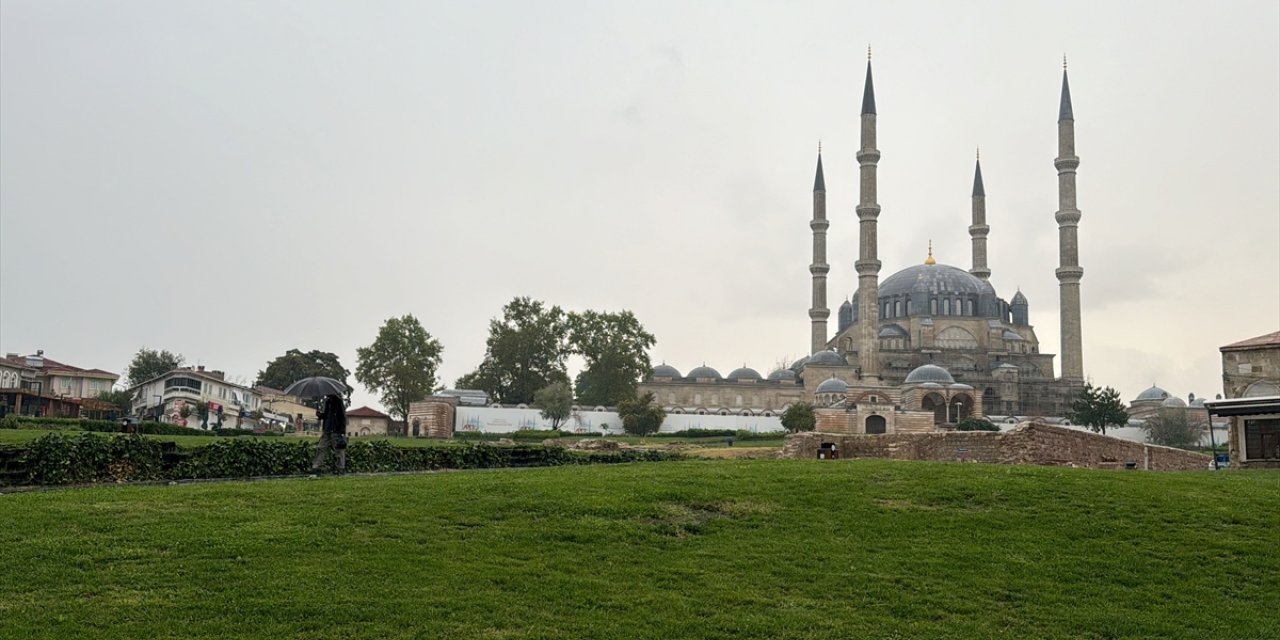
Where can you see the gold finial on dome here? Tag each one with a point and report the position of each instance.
(930, 259)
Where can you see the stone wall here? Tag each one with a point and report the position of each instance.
(435, 416)
(1029, 443)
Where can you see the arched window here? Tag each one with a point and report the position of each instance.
(933, 306)
(897, 308)
(946, 307)
(968, 307)
(909, 306)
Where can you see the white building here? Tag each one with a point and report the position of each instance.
(165, 398)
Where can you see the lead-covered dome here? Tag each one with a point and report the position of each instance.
(1173, 402)
(827, 358)
(705, 372)
(782, 375)
(744, 373)
(1154, 393)
(799, 364)
(832, 385)
(934, 278)
(929, 373)
(665, 370)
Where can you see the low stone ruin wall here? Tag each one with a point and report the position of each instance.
(1029, 443)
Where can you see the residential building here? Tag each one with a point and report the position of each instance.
(36, 385)
(367, 422)
(175, 397)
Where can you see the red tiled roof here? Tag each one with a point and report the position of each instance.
(366, 412)
(52, 365)
(1267, 340)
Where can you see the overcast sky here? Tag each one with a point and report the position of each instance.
(229, 180)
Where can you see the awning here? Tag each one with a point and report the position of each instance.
(1262, 405)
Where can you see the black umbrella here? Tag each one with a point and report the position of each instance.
(315, 387)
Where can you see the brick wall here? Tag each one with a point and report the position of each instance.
(1029, 443)
(435, 416)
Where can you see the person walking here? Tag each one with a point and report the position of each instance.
(333, 418)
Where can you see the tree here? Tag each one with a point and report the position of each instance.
(556, 402)
(295, 365)
(118, 397)
(149, 363)
(976, 424)
(615, 348)
(1098, 408)
(400, 364)
(641, 415)
(799, 417)
(1170, 427)
(525, 352)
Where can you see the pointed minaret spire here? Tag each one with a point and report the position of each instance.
(868, 90)
(818, 313)
(868, 264)
(1064, 105)
(978, 228)
(1069, 271)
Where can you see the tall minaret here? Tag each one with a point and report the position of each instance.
(819, 312)
(978, 230)
(1068, 217)
(868, 265)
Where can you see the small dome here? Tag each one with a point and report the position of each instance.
(799, 364)
(1198, 403)
(666, 371)
(1018, 298)
(1174, 402)
(705, 372)
(960, 386)
(929, 373)
(1154, 393)
(1010, 335)
(828, 358)
(832, 385)
(744, 373)
(846, 305)
(782, 375)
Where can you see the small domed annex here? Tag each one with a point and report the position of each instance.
(744, 373)
(929, 373)
(829, 358)
(1154, 393)
(705, 372)
(832, 385)
(782, 375)
(665, 370)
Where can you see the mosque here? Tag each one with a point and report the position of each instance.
(930, 345)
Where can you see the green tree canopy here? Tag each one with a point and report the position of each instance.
(149, 363)
(556, 402)
(1098, 408)
(400, 365)
(615, 348)
(976, 424)
(120, 398)
(1171, 428)
(641, 415)
(799, 417)
(525, 352)
(295, 365)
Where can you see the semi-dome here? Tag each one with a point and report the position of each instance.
(828, 358)
(892, 331)
(1154, 393)
(832, 385)
(744, 373)
(782, 375)
(1174, 402)
(665, 370)
(934, 278)
(1010, 335)
(705, 372)
(929, 373)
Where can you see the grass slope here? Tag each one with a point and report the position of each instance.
(699, 549)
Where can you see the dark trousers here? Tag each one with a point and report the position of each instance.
(329, 440)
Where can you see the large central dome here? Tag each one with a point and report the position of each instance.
(934, 278)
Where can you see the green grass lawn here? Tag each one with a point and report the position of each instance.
(698, 549)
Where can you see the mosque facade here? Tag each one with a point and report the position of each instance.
(929, 345)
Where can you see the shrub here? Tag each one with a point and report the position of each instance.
(976, 424)
(166, 429)
(799, 417)
(59, 458)
(699, 433)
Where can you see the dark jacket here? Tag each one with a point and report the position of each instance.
(334, 416)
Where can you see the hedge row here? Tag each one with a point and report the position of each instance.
(112, 426)
(60, 458)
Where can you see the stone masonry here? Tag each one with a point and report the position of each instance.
(434, 416)
(1029, 443)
